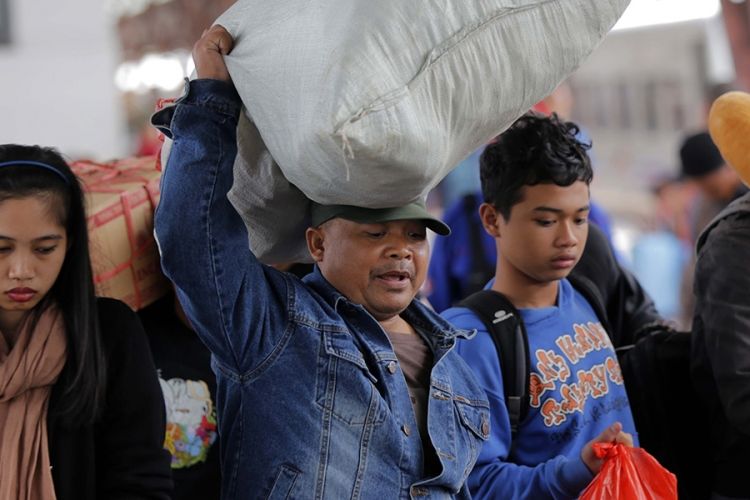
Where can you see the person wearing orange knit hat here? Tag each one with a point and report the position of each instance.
(720, 351)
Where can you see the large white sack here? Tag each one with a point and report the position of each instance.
(372, 102)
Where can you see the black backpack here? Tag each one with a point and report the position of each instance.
(481, 269)
(672, 425)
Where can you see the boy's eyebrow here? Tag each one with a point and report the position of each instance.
(558, 210)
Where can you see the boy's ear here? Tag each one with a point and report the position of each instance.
(490, 219)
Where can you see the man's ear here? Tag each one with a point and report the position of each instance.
(490, 219)
(315, 237)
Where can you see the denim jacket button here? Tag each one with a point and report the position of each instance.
(391, 367)
(485, 427)
(406, 429)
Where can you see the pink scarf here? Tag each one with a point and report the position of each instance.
(27, 373)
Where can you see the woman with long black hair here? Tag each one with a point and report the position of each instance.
(81, 410)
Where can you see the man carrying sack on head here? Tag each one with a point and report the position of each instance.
(340, 385)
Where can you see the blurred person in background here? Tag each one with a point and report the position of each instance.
(183, 364)
(718, 184)
(702, 163)
(661, 253)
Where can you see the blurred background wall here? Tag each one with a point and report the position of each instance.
(85, 74)
(642, 90)
(56, 65)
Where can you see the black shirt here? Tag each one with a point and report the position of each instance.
(189, 386)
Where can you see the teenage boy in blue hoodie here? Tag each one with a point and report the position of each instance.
(535, 184)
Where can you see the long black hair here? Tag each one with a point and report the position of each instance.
(82, 383)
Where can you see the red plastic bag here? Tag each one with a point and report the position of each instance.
(629, 474)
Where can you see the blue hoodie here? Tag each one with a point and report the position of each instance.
(576, 392)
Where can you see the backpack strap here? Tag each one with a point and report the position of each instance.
(504, 324)
(480, 269)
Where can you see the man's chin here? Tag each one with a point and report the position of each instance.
(388, 308)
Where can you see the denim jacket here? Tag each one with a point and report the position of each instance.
(311, 400)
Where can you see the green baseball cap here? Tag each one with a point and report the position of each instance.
(413, 211)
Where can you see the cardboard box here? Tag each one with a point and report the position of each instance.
(121, 197)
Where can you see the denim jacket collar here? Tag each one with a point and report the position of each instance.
(441, 334)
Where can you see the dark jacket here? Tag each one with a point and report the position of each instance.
(629, 308)
(121, 455)
(720, 348)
